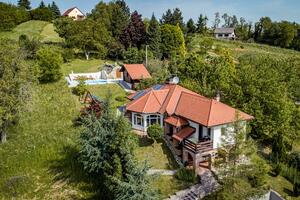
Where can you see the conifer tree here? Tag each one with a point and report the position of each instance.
(42, 5)
(120, 17)
(54, 8)
(24, 4)
(154, 37)
(202, 24)
(190, 26)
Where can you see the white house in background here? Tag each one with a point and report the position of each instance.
(193, 124)
(74, 13)
(225, 33)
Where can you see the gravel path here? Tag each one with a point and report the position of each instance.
(161, 172)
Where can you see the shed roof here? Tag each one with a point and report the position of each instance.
(224, 30)
(136, 71)
(184, 133)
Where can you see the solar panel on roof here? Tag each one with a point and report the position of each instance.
(139, 94)
(157, 87)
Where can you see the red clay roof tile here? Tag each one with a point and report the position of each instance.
(184, 133)
(137, 71)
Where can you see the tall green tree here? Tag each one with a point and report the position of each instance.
(24, 4)
(217, 20)
(11, 16)
(173, 18)
(134, 35)
(190, 26)
(136, 185)
(154, 37)
(106, 152)
(16, 79)
(202, 24)
(49, 63)
(242, 174)
(42, 4)
(55, 10)
(120, 17)
(172, 41)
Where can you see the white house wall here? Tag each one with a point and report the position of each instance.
(144, 128)
(196, 126)
(216, 135)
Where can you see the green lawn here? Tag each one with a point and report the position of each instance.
(118, 94)
(157, 154)
(34, 29)
(168, 185)
(48, 34)
(82, 66)
(239, 48)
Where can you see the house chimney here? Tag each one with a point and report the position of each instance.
(218, 96)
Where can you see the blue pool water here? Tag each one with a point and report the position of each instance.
(89, 82)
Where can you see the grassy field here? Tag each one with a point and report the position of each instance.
(82, 66)
(157, 154)
(239, 48)
(33, 29)
(39, 158)
(48, 34)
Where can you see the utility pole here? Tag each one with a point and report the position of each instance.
(147, 55)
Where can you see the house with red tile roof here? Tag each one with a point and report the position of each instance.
(134, 73)
(74, 13)
(193, 124)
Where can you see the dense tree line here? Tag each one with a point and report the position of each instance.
(11, 15)
(263, 86)
(112, 31)
(16, 77)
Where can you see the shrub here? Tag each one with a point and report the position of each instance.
(30, 46)
(81, 88)
(187, 175)
(155, 132)
(276, 169)
(120, 98)
(49, 63)
(68, 54)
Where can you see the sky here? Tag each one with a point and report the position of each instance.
(251, 10)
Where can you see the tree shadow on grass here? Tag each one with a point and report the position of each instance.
(289, 192)
(145, 141)
(68, 169)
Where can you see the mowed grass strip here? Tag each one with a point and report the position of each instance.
(48, 34)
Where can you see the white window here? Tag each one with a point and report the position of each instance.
(153, 119)
(138, 120)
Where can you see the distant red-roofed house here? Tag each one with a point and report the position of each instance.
(193, 124)
(74, 13)
(134, 73)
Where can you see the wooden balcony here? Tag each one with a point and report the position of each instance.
(199, 147)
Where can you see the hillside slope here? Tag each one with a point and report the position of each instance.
(33, 29)
(239, 48)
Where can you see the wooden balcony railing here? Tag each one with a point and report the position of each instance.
(199, 147)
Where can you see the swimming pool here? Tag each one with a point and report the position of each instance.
(74, 83)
